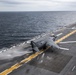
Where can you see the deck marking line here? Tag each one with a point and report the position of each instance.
(73, 68)
(17, 65)
(67, 42)
(59, 34)
(66, 36)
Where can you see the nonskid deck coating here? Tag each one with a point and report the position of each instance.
(52, 61)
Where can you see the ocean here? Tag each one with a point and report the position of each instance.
(18, 27)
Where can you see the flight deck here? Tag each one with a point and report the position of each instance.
(46, 62)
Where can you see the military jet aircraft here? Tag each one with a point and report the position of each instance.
(44, 43)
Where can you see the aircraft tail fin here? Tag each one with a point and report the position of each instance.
(34, 46)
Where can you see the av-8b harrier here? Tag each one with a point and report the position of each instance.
(44, 43)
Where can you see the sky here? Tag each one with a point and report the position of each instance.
(37, 5)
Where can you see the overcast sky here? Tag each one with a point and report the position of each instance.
(37, 5)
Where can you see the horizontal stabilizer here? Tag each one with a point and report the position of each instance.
(63, 48)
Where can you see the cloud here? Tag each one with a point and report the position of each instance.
(64, 0)
(12, 2)
(37, 5)
(8, 2)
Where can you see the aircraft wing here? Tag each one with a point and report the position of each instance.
(52, 44)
